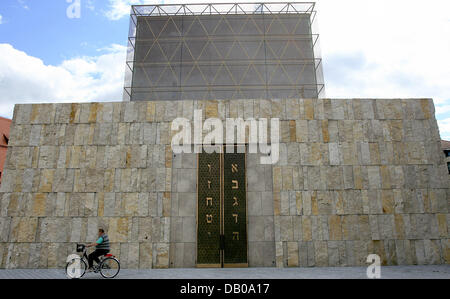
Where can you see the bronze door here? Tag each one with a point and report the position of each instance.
(222, 210)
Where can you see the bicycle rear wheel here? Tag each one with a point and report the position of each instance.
(109, 267)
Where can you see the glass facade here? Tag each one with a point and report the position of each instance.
(223, 51)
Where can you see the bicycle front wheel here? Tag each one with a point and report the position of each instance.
(76, 268)
(109, 267)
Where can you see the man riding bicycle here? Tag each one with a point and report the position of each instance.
(101, 248)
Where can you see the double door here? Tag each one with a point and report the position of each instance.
(222, 209)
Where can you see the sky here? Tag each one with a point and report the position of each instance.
(370, 49)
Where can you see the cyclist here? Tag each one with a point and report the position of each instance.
(101, 248)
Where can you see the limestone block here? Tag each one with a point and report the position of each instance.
(47, 157)
(442, 221)
(334, 154)
(367, 109)
(269, 233)
(306, 228)
(303, 254)
(314, 179)
(186, 180)
(279, 108)
(321, 253)
(418, 250)
(287, 176)
(364, 227)
(256, 254)
(163, 134)
(46, 184)
(374, 177)
(293, 154)
(345, 128)
(187, 204)
(42, 113)
(19, 135)
(130, 112)
(292, 109)
(349, 227)
(334, 176)
(277, 179)
(94, 179)
(335, 228)
(119, 228)
(133, 256)
(348, 153)
(176, 229)
(311, 254)
(333, 254)
(308, 106)
(27, 229)
(293, 258)
(22, 114)
(386, 153)
(136, 134)
(337, 109)
(446, 250)
(145, 229)
(161, 255)
(254, 204)
(293, 203)
(306, 203)
(189, 255)
(50, 135)
(19, 158)
(432, 252)
(301, 130)
(386, 226)
(145, 255)
(279, 254)
(286, 228)
(265, 108)
(255, 178)
(338, 202)
(324, 203)
(131, 204)
(256, 228)
(314, 131)
(267, 203)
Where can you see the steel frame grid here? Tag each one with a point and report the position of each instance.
(197, 9)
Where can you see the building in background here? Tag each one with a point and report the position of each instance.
(4, 139)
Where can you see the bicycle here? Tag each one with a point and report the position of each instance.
(108, 267)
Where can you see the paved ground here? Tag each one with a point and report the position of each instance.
(398, 272)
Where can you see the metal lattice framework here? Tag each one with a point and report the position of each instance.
(230, 51)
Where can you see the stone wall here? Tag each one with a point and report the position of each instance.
(355, 177)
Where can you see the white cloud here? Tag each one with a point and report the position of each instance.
(381, 48)
(23, 4)
(1, 19)
(118, 9)
(387, 49)
(444, 128)
(26, 79)
(90, 5)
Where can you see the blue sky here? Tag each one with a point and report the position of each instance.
(370, 49)
(42, 29)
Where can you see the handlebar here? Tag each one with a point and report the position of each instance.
(81, 247)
